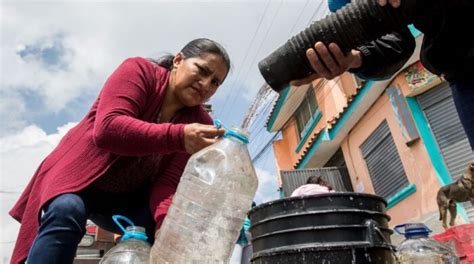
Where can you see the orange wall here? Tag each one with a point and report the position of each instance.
(415, 160)
(332, 99)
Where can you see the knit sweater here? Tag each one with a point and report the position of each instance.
(121, 123)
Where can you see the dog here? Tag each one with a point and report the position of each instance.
(461, 190)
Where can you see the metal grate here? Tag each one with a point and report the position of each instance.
(384, 164)
(334, 176)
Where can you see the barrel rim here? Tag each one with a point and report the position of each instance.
(308, 197)
(316, 212)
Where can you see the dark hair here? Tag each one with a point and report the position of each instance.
(196, 48)
(318, 180)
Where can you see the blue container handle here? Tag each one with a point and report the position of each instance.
(423, 229)
(230, 132)
(126, 234)
(116, 219)
(397, 229)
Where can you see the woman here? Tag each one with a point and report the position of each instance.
(314, 185)
(126, 156)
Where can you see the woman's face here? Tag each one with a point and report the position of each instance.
(196, 79)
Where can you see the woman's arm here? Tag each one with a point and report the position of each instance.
(123, 99)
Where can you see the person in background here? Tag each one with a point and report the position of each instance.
(446, 51)
(127, 154)
(314, 185)
(243, 248)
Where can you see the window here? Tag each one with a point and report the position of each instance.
(384, 164)
(306, 112)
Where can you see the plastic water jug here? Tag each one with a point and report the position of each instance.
(418, 248)
(133, 247)
(210, 205)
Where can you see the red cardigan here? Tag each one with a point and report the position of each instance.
(120, 122)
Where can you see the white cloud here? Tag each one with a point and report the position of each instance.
(12, 107)
(98, 35)
(20, 155)
(267, 186)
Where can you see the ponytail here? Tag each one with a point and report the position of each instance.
(165, 61)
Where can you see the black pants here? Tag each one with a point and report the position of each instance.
(64, 219)
(463, 96)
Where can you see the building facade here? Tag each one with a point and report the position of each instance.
(399, 138)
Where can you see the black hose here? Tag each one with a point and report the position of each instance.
(351, 26)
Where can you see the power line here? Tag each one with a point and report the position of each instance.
(321, 83)
(263, 115)
(248, 51)
(263, 111)
(315, 12)
(298, 18)
(258, 52)
(9, 192)
(232, 90)
(269, 142)
(259, 136)
(291, 30)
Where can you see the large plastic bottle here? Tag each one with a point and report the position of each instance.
(418, 248)
(210, 204)
(133, 247)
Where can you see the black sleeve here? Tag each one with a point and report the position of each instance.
(385, 56)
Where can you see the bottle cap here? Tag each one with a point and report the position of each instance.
(413, 229)
(233, 132)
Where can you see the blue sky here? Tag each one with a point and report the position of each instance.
(55, 56)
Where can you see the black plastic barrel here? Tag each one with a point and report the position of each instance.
(324, 228)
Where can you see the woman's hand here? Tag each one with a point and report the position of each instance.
(329, 62)
(198, 136)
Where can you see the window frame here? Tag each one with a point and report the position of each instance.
(308, 102)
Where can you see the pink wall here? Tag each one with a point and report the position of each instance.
(414, 158)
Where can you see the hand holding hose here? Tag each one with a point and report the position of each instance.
(329, 62)
(353, 25)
